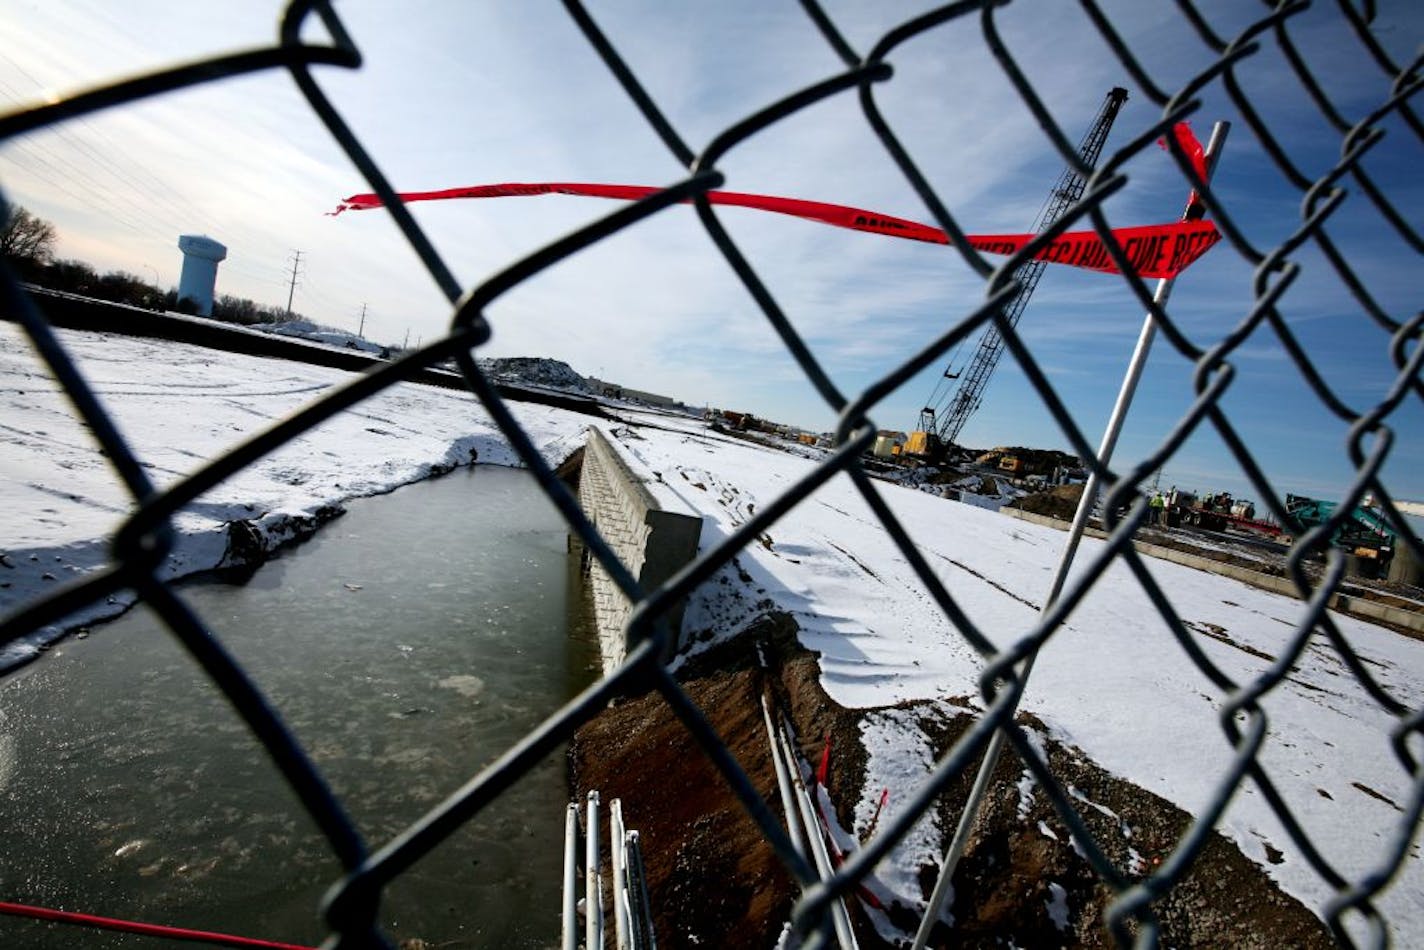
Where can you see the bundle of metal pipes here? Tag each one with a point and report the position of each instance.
(794, 786)
(632, 912)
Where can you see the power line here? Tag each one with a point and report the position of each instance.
(52, 157)
(158, 193)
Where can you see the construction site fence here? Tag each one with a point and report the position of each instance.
(312, 41)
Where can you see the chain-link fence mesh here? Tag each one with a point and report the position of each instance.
(144, 539)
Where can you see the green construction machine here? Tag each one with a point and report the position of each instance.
(1364, 533)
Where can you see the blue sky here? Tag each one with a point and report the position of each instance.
(454, 93)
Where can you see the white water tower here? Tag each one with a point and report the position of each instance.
(200, 270)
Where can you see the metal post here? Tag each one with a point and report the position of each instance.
(641, 918)
(592, 887)
(570, 928)
(1065, 562)
(620, 875)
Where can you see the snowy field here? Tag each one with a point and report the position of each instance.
(1113, 682)
(179, 406)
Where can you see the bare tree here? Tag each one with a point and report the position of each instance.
(27, 237)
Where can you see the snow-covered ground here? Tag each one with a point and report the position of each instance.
(315, 332)
(181, 405)
(1112, 682)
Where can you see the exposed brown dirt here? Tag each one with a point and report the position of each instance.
(1060, 501)
(713, 880)
(1002, 885)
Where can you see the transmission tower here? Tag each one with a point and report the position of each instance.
(946, 414)
(296, 272)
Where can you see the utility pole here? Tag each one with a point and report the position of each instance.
(296, 272)
(361, 330)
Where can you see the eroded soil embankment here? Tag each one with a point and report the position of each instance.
(714, 881)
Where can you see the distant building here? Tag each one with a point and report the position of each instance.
(614, 391)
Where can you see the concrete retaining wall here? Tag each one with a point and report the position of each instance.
(1344, 603)
(646, 525)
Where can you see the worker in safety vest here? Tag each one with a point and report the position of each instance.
(1156, 508)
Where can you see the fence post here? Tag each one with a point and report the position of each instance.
(1075, 534)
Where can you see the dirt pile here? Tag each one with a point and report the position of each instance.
(1058, 502)
(535, 371)
(713, 880)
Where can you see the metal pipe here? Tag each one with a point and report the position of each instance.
(783, 780)
(641, 916)
(593, 890)
(1065, 562)
(620, 877)
(840, 918)
(570, 922)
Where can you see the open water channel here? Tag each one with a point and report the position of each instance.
(408, 644)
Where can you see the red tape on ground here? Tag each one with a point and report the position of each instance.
(1154, 250)
(148, 930)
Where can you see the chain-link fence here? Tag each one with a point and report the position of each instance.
(145, 538)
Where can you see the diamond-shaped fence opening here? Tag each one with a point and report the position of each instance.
(1345, 180)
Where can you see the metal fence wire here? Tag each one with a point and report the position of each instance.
(141, 543)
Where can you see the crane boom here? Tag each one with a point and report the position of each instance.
(945, 415)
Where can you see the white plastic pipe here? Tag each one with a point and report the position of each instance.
(783, 781)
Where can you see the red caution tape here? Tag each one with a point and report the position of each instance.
(1182, 133)
(1155, 250)
(149, 930)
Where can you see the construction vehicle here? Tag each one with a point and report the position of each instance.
(1214, 512)
(945, 414)
(1364, 532)
(1185, 509)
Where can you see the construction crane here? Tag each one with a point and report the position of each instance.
(945, 415)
